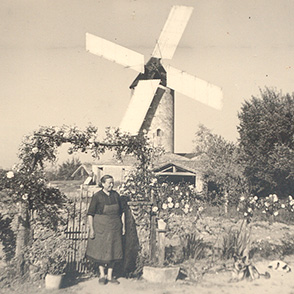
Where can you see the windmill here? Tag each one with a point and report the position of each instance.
(151, 107)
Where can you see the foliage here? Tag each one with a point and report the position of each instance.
(7, 236)
(67, 168)
(48, 251)
(178, 199)
(31, 188)
(247, 206)
(220, 162)
(266, 132)
(167, 199)
(270, 205)
(236, 242)
(194, 247)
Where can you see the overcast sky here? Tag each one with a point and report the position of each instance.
(48, 78)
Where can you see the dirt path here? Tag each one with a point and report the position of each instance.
(279, 282)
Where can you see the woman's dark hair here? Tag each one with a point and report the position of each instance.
(103, 180)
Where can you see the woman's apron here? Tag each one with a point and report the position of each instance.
(107, 245)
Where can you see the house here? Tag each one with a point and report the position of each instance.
(170, 167)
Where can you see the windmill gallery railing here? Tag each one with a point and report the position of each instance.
(140, 235)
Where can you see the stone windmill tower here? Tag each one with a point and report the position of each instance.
(153, 91)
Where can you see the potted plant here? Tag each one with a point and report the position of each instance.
(57, 263)
(48, 255)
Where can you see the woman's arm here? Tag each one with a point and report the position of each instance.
(91, 226)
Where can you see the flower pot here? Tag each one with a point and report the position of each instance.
(53, 281)
(160, 274)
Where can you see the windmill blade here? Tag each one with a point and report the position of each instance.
(172, 32)
(194, 87)
(114, 52)
(139, 105)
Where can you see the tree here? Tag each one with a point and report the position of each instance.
(67, 168)
(219, 160)
(267, 142)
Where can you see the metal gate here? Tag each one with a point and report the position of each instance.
(77, 231)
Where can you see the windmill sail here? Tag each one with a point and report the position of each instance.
(194, 87)
(114, 52)
(172, 32)
(138, 106)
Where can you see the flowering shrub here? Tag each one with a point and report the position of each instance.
(247, 205)
(167, 198)
(271, 205)
(176, 199)
(290, 204)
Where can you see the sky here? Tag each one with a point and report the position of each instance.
(47, 78)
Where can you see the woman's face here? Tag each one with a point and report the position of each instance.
(108, 185)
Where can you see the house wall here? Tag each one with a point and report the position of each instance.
(118, 172)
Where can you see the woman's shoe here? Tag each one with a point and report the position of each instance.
(114, 281)
(102, 281)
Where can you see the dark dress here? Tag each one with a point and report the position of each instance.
(106, 247)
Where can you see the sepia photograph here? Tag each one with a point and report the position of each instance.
(146, 146)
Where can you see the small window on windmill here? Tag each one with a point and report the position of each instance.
(159, 133)
(158, 139)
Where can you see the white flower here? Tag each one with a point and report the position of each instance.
(164, 206)
(176, 188)
(191, 187)
(187, 205)
(255, 198)
(154, 208)
(290, 197)
(169, 199)
(154, 181)
(10, 175)
(170, 205)
(266, 204)
(177, 205)
(245, 213)
(263, 211)
(249, 209)
(275, 198)
(186, 210)
(238, 208)
(276, 213)
(35, 150)
(145, 131)
(242, 198)
(200, 209)
(283, 206)
(25, 197)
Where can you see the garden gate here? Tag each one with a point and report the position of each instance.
(77, 231)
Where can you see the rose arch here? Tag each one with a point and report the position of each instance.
(25, 190)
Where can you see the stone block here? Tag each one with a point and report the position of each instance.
(160, 274)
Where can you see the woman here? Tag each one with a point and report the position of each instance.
(106, 227)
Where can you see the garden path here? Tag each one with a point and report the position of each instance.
(211, 284)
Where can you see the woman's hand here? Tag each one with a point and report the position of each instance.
(92, 233)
